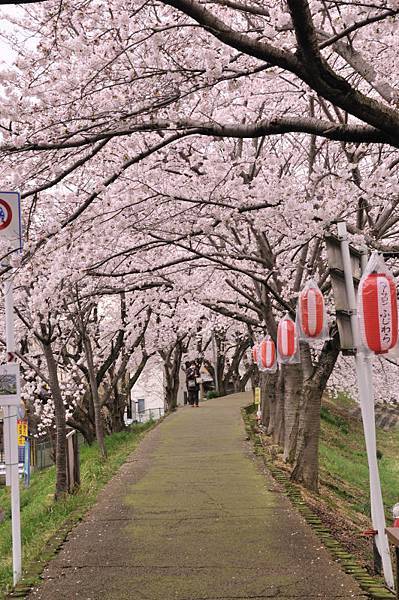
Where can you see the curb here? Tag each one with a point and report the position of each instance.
(52, 547)
(349, 563)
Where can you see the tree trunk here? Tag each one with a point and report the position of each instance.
(84, 428)
(117, 410)
(278, 430)
(292, 405)
(270, 399)
(246, 377)
(83, 418)
(61, 486)
(264, 399)
(172, 364)
(306, 468)
(95, 395)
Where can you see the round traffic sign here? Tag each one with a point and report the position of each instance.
(5, 214)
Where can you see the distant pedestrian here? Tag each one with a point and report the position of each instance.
(192, 376)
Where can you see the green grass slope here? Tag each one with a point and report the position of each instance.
(344, 501)
(343, 461)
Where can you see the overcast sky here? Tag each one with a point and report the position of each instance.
(7, 53)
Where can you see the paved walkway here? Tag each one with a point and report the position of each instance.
(191, 516)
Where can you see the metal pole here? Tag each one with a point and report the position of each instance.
(13, 439)
(6, 443)
(215, 361)
(366, 397)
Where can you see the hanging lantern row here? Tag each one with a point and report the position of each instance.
(311, 325)
(377, 311)
(378, 307)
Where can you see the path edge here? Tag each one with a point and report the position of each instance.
(54, 544)
(348, 563)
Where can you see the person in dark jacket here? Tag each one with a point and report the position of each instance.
(192, 374)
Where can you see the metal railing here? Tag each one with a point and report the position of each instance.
(147, 415)
(43, 455)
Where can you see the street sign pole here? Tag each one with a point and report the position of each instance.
(215, 361)
(6, 437)
(10, 394)
(13, 439)
(366, 397)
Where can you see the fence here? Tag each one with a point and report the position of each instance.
(147, 415)
(42, 457)
(42, 454)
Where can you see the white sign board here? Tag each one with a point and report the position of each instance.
(10, 220)
(10, 385)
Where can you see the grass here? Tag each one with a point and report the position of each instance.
(343, 461)
(42, 517)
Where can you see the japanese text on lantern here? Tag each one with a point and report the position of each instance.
(384, 312)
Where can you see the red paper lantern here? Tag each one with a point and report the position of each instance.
(379, 314)
(311, 309)
(267, 353)
(255, 353)
(286, 338)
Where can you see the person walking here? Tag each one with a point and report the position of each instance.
(192, 375)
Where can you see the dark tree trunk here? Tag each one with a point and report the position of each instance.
(278, 430)
(270, 399)
(246, 377)
(172, 364)
(84, 428)
(95, 395)
(117, 410)
(83, 418)
(61, 486)
(264, 399)
(292, 406)
(306, 467)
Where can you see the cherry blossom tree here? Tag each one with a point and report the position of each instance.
(186, 151)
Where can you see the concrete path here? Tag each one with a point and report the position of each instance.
(191, 516)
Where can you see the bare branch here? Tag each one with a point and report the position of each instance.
(265, 127)
(358, 25)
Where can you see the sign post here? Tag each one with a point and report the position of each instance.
(10, 391)
(366, 397)
(215, 361)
